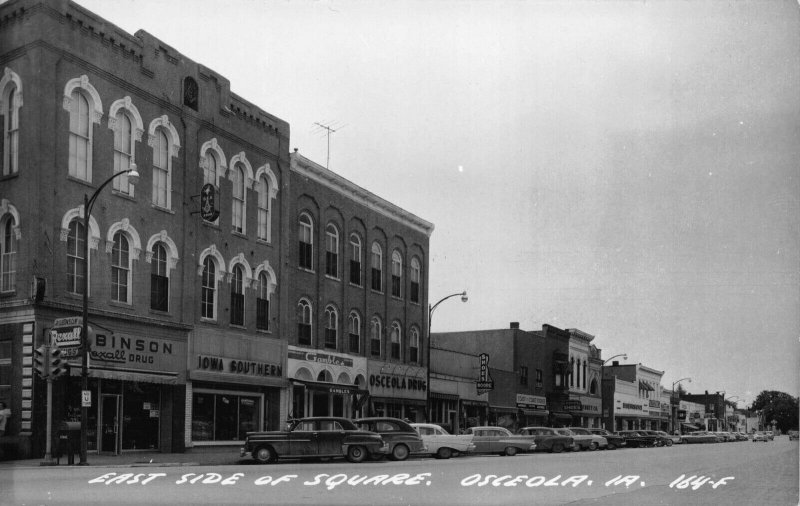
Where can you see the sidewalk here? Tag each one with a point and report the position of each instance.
(202, 456)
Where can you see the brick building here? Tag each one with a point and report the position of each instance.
(189, 347)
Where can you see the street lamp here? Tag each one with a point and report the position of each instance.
(88, 203)
(623, 355)
(674, 410)
(431, 309)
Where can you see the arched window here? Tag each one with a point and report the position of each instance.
(263, 209)
(413, 345)
(584, 375)
(332, 251)
(208, 298)
(262, 302)
(305, 233)
(593, 387)
(304, 322)
(162, 169)
(416, 275)
(159, 278)
(238, 211)
(354, 330)
(396, 340)
(355, 259)
(121, 269)
(80, 137)
(375, 336)
(397, 274)
(210, 169)
(10, 102)
(572, 371)
(8, 254)
(76, 251)
(123, 151)
(331, 327)
(377, 269)
(237, 295)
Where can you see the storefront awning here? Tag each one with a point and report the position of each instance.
(561, 416)
(444, 397)
(534, 412)
(127, 375)
(503, 409)
(400, 400)
(690, 426)
(480, 404)
(336, 388)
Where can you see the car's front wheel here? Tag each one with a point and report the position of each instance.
(510, 451)
(444, 453)
(356, 453)
(669, 442)
(265, 455)
(558, 448)
(593, 446)
(399, 452)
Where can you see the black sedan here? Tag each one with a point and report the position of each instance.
(614, 441)
(398, 434)
(635, 439)
(312, 438)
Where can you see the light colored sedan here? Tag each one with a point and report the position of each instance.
(584, 439)
(440, 443)
(501, 441)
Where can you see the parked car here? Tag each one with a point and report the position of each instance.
(662, 438)
(586, 439)
(500, 440)
(793, 435)
(770, 435)
(548, 440)
(760, 436)
(440, 443)
(614, 440)
(314, 437)
(699, 437)
(398, 434)
(676, 439)
(636, 439)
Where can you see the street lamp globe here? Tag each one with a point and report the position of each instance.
(464, 297)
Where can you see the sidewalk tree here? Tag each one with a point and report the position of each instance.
(778, 406)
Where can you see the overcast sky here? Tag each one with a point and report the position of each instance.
(628, 168)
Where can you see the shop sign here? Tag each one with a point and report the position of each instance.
(573, 405)
(148, 353)
(485, 382)
(531, 401)
(321, 358)
(66, 334)
(235, 366)
(653, 403)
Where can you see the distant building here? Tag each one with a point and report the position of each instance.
(634, 399)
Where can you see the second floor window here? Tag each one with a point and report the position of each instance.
(120, 268)
(8, 255)
(159, 279)
(262, 303)
(123, 152)
(208, 296)
(305, 233)
(413, 346)
(76, 251)
(523, 375)
(397, 274)
(161, 170)
(396, 342)
(331, 251)
(354, 330)
(375, 337)
(304, 322)
(80, 137)
(237, 212)
(263, 209)
(377, 262)
(331, 325)
(237, 296)
(355, 259)
(415, 278)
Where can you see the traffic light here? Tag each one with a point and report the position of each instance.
(58, 365)
(41, 362)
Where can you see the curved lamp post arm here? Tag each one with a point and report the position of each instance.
(431, 308)
(623, 355)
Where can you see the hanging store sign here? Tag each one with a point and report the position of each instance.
(531, 402)
(485, 382)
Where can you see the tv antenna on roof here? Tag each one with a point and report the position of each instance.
(329, 129)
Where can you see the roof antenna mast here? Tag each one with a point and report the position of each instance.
(329, 129)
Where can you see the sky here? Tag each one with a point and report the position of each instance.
(627, 168)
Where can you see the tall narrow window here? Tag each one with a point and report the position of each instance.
(11, 132)
(262, 303)
(120, 269)
(584, 375)
(396, 341)
(415, 278)
(355, 259)
(238, 199)
(306, 235)
(8, 255)
(80, 137)
(332, 251)
(304, 322)
(208, 298)
(413, 346)
(210, 169)
(377, 262)
(397, 273)
(523, 375)
(354, 329)
(76, 249)
(159, 279)
(263, 209)
(123, 152)
(375, 336)
(161, 170)
(237, 296)
(331, 327)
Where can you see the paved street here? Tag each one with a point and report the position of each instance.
(730, 473)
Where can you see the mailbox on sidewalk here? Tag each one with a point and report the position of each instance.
(69, 441)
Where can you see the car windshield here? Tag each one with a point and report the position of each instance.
(565, 432)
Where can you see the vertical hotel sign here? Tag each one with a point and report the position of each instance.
(485, 382)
